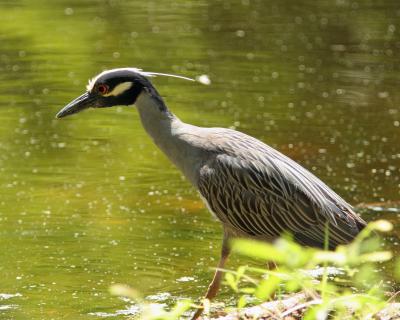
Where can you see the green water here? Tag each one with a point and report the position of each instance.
(89, 201)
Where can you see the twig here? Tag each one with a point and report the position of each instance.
(300, 306)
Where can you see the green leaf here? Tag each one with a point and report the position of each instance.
(316, 312)
(231, 280)
(240, 272)
(180, 308)
(338, 258)
(258, 250)
(247, 290)
(381, 225)
(293, 285)
(267, 287)
(242, 302)
(378, 256)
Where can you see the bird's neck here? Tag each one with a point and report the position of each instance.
(156, 119)
(166, 130)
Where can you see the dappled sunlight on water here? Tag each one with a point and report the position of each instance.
(89, 201)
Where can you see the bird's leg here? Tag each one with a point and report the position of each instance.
(216, 281)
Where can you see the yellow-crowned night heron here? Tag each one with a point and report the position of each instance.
(254, 190)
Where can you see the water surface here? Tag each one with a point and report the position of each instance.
(89, 201)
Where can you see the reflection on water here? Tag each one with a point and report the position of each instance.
(89, 201)
(5, 304)
(129, 311)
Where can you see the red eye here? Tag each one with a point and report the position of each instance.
(102, 88)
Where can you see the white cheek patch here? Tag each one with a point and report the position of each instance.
(119, 89)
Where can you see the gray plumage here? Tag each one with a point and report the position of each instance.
(259, 192)
(254, 190)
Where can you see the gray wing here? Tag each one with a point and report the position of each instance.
(258, 191)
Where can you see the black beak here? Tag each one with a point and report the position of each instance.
(82, 102)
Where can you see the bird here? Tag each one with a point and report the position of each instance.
(254, 190)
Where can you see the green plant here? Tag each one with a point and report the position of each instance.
(355, 291)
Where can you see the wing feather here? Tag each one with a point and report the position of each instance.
(260, 192)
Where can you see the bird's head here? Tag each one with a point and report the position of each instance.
(111, 88)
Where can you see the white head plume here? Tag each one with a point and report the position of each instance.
(92, 81)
